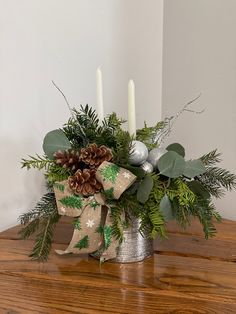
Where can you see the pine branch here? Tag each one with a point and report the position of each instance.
(43, 208)
(41, 219)
(206, 212)
(216, 180)
(113, 122)
(117, 226)
(43, 241)
(182, 199)
(211, 158)
(36, 163)
(226, 179)
(56, 173)
(123, 147)
(152, 221)
(147, 134)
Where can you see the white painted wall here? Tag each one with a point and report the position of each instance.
(200, 56)
(65, 41)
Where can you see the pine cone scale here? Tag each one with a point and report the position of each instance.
(68, 159)
(84, 182)
(93, 155)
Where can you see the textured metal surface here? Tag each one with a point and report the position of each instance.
(134, 248)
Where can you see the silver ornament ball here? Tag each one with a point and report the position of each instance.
(147, 167)
(154, 155)
(139, 153)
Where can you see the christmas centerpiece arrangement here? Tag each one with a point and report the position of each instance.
(106, 178)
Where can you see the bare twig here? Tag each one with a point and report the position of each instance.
(68, 105)
(169, 122)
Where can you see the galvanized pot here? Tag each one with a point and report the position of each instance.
(135, 247)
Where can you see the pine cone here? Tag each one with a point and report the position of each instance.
(84, 182)
(94, 155)
(68, 159)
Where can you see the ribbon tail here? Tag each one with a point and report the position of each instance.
(111, 244)
(86, 238)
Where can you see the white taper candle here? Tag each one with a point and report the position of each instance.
(100, 110)
(131, 108)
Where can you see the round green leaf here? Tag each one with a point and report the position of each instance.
(137, 171)
(171, 165)
(166, 208)
(144, 189)
(55, 140)
(194, 168)
(176, 147)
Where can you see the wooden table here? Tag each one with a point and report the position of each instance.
(186, 275)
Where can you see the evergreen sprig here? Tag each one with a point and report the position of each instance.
(56, 173)
(152, 220)
(206, 213)
(37, 162)
(117, 225)
(211, 158)
(147, 134)
(216, 180)
(123, 147)
(41, 220)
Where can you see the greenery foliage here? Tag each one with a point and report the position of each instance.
(40, 220)
(147, 134)
(177, 189)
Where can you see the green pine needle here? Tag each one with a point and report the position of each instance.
(36, 163)
(41, 220)
(147, 134)
(211, 158)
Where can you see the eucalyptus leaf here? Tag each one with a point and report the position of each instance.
(194, 168)
(145, 189)
(176, 147)
(198, 189)
(166, 208)
(55, 140)
(137, 171)
(171, 164)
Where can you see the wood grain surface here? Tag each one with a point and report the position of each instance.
(187, 274)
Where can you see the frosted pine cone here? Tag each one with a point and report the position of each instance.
(93, 155)
(84, 182)
(68, 159)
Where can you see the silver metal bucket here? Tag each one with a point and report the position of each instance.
(135, 247)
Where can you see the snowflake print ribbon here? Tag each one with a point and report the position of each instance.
(93, 224)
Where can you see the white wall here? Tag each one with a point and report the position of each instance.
(199, 52)
(65, 41)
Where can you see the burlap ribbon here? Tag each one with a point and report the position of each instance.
(93, 223)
